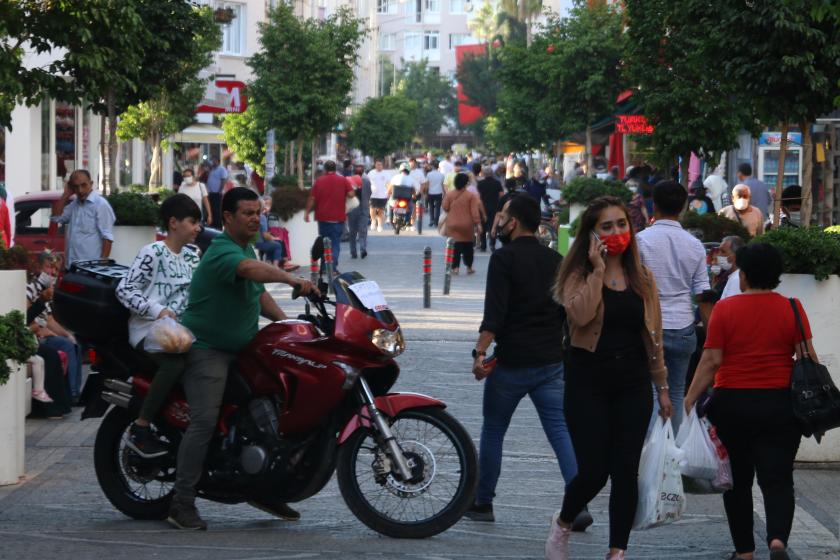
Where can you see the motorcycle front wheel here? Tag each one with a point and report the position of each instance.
(443, 461)
(139, 488)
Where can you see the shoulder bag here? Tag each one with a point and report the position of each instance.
(816, 400)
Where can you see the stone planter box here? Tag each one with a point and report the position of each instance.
(128, 240)
(301, 237)
(575, 210)
(13, 395)
(821, 301)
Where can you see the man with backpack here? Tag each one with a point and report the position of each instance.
(525, 322)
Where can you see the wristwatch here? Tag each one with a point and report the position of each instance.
(476, 353)
(661, 388)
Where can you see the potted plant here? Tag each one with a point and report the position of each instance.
(223, 15)
(811, 267)
(136, 218)
(17, 344)
(288, 202)
(580, 191)
(713, 227)
(14, 264)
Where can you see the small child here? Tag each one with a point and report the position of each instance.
(157, 286)
(38, 372)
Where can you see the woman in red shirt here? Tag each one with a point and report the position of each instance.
(748, 354)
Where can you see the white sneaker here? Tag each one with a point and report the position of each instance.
(379, 229)
(557, 543)
(411, 228)
(372, 227)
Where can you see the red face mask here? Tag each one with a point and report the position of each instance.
(616, 243)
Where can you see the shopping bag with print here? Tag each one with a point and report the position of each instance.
(723, 479)
(700, 459)
(661, 496)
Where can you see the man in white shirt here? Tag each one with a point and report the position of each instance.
(420, 184)
(728, 247)
(678, 262)
(378, 195)
(717, 188)
(434, 195)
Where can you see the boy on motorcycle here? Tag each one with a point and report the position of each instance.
(157, 286)
(227, 297)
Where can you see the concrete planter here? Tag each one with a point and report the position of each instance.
(575, 210)
(128, 240)
(821, 301)
(13, 396)
(301, 237)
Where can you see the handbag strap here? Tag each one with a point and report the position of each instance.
(802, 346)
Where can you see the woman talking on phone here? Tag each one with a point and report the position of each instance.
(615, 329)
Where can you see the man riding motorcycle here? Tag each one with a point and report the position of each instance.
(227, 296)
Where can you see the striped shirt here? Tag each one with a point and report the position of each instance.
(678, 262)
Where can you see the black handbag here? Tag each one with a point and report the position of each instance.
(816, 400)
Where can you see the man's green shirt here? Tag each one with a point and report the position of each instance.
(224, 308)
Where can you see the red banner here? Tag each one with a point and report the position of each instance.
(223, 96)
(467, 114)
(632, 124)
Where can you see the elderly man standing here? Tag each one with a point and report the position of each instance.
(743, 212)
(88, 219)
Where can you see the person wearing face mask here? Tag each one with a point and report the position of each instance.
(527, 327)
(615, 337)
(790, 213)
(727, 284)
(198, 193)
(742, 212)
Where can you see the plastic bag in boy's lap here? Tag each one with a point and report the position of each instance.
(661, 496)
(169, 336)
(700, 460)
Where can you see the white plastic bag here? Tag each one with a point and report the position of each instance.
(723, 479)
(661, 496)
(700, 460)
(169, 336)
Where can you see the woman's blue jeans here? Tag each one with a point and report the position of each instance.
(503, 390)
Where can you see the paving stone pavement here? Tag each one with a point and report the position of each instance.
(59, 512)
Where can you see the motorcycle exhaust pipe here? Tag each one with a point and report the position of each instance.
(118, 386)
(118, 399)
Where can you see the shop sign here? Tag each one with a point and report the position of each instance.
(633, 124)
(223, 96)
(775, 138)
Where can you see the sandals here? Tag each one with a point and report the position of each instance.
(41, 396)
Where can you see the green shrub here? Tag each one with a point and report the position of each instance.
(714, 227)
(287, 200)
(833, 230)
(283, 181)
(17, 343)
(16, 258)
(134, 209)
(806, 250)
(163, 193)
(583, 190)
(137, 188)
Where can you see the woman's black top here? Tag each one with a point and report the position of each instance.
(624, 321)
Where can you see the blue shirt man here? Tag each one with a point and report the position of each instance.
(217, 177)
(89, 220)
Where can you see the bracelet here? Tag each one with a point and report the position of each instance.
(660, 388)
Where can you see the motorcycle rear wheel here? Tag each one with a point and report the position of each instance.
(124, 477)
(357, 460)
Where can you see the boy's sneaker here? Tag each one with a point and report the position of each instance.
(482, 512)
(142, 441)
(582, 521)
(184, 515)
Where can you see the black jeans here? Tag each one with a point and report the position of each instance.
(486, 234)
(759, 431)
(215, 199)
(465, 249)
(433, 202)
(608, 404)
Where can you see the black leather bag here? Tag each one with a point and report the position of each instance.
(816, 400)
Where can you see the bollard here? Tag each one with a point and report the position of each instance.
(427, 277)
(328, 262)
(313, 271)
(419, 218)
(447, 274)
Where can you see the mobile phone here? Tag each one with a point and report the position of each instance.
(598, 240)
(489, 362)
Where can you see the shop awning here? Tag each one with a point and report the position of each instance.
(200, 134)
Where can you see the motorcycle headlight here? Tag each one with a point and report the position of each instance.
(351, 375)
(391, 343)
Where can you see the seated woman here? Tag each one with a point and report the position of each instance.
(751, 340)
(270, 245)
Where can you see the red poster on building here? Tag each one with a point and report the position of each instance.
(467, 114)
(223, 96)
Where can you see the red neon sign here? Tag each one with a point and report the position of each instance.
(633, 124)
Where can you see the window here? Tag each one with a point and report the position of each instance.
(456, 6)
(233, 33)
(458, 39)
(413, 46)
(431, 40)
(386, 42)
(433, 6)
(386, 6)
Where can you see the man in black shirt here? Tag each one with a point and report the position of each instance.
(521, 316)
(490, 191)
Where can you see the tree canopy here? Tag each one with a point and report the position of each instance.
(246, 137)
(433, 94)
(383, 125)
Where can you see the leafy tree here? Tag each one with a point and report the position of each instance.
(383, 125)
(245, 137)
(692, 106)
(172, 110)
(304, 73)
(484, 24)
(478, 76)
(433, 94)
(787, 61)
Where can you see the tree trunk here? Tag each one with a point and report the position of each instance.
(155, 168)
(314, 160)
(590, 172)
(780, 176)
(103, 153)
(684, 163)
(828, 179)
(292, 160)
(300, 163)
(807, 173)
(111, 183)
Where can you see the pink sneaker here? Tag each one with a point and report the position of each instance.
(557, 543)
(41, 396)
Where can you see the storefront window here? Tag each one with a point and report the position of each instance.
(65, 141)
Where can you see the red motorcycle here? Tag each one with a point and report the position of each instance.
(306, 398)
